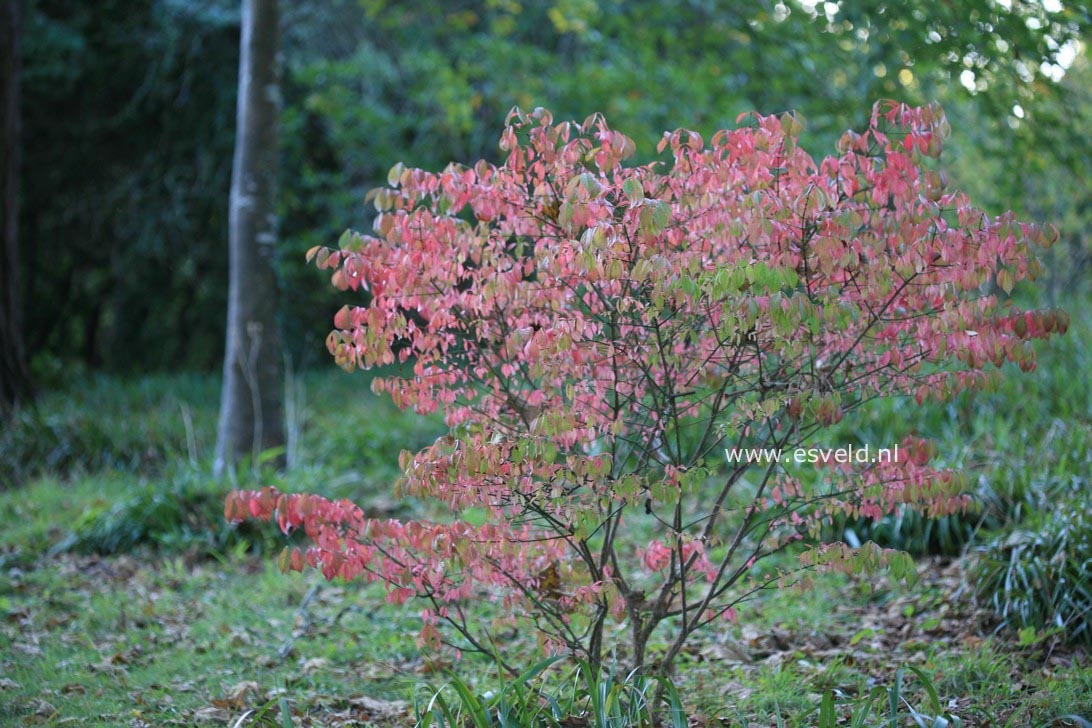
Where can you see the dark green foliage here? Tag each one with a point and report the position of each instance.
(129, 126)
(908, 530)
(98, 423)
(186, 513)
(158, 434)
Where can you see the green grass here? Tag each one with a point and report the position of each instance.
(98, 423)
(171, 635)
(145, 425)
(164, 639)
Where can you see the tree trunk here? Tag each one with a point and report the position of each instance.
(14, 380)
(251, 405)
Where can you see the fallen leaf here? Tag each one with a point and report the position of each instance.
(315, 664)
(41, 712)
(379, 710)
(238, 694)
(725, 652)
(211, 715)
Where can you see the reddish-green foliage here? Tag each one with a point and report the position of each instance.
(596, 334)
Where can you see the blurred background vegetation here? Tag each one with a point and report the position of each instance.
(129, 124)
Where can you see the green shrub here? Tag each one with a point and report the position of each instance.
(910, 531)
(149, 425)
(187, 513)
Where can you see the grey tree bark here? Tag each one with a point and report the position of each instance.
(14, 379)
(251, 403)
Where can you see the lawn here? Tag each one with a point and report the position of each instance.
(126, 600)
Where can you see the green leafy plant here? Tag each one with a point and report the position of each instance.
(456, 704)
(186, 515)
(589, 695)
(1037, 574)
(96, 423)
(887, 706)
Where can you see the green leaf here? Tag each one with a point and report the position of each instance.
(826, 711)
(565, 216)
(286, 713)
(395, 174)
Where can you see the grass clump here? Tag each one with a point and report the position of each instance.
(1038, 575)
(587, 695)
(187, 514)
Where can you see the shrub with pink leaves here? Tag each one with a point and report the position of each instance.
(597, 333)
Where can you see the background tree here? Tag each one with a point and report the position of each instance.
(251, 406)
(13, 370)
(127, 146)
